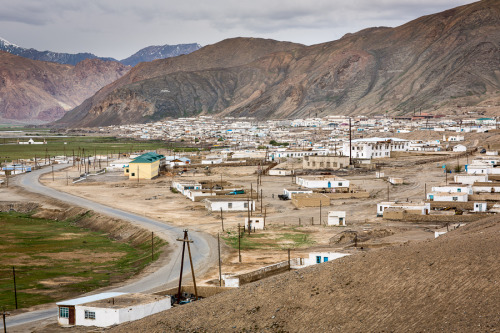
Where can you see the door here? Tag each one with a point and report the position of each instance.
(341, 220)
(71, 315)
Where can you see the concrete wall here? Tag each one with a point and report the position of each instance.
(439, 218)
(262, 273)
(203, 291)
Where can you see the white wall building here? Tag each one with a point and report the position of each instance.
(316, 258)
(337, 218)
(322, 182)
(289, 192)
(374, 147)
(280, 172)
(470, 178)
(256, 222)
(452, 196)
(452, 189)
(424, 208)
(229, 204)
(107, 309)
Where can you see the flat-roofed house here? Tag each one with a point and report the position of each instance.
(112, 308)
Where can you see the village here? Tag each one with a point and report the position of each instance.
(283, 194)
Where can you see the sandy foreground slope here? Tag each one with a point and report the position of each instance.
(448, 284)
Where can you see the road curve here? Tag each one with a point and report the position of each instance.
(202, 246)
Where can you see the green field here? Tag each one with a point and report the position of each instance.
(56, 260)
(268, 240)
(57, 146)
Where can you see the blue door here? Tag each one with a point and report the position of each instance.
(318, 259)
(329, 184)
(325, 259)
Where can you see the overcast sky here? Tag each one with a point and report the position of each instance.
(119, 28)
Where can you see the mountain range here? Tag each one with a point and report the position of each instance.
(146, 54)
(37, 92)
(445, 60)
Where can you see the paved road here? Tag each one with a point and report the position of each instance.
(201, 248)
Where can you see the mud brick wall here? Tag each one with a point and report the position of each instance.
(301, 200)
(356, 195)
(263, 272)
(485, 197)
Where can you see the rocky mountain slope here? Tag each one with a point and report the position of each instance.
(155, 52)
(442, 60)
(448, 284)
(57, 57)
(37, 92)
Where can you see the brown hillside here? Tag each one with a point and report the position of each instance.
(34, 91)
(435, 62)
(227, 53)
(449, 284)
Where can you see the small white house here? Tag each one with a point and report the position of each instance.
(215, 160)
(256, 222)
(316, 258)
(452, 189)
(229, 204)
(459, 148)
(337, 218)
(322, 182)
(424, 208)
(112, 308)
(444, 196)
(480, 207)
(280, 172)
(470, 178)
(289, 192)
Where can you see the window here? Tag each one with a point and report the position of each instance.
(128, 170)
(325, 259)
(245, 205)
(318, 259)
(89, 314)
(340, 184)
(63, 312)
(455, 198)
(133, 174)
(229, 205)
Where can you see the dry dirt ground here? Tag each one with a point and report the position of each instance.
(154, 199)
(448, 284)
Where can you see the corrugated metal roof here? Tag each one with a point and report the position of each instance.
(148, 157)
(91, 298)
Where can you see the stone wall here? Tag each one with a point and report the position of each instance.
(301, 200)
(20, 207)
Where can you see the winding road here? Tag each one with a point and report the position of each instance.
(202, 246)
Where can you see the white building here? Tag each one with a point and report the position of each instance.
(480, 207)
(459, 148)
(316, 258)
(452, 189)
(337, 218)
(322, 182)
(289, 192)
(217, 160)
(256, 222)
(229, 204)
(374, 147)
(470, 179)
(423, 208)
(107, 309)
(452, 196)
(280, 172)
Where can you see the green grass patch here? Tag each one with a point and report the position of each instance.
(57, 146)
(56, 259)
(266, 240)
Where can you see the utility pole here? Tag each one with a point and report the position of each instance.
(350, 142)
(320, 211)
(152, 245)
(261, 200)
(52, 172)
(182, 265)
(192, 270)
(15, 287)
(222, 219)
(388, 186)
(289, 259)
(248, 223)
(220, 268)
(239, 243)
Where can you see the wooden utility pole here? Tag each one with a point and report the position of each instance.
(182, 265)
(248, 223)
(15, 287)
(192, 271)
(52, 172)
(261, 201)
(350, 142)
(220, 268)
(222, 219)
(265, 214)
(239, 243)
(388, 192)
(288, 258)
(320, 206)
